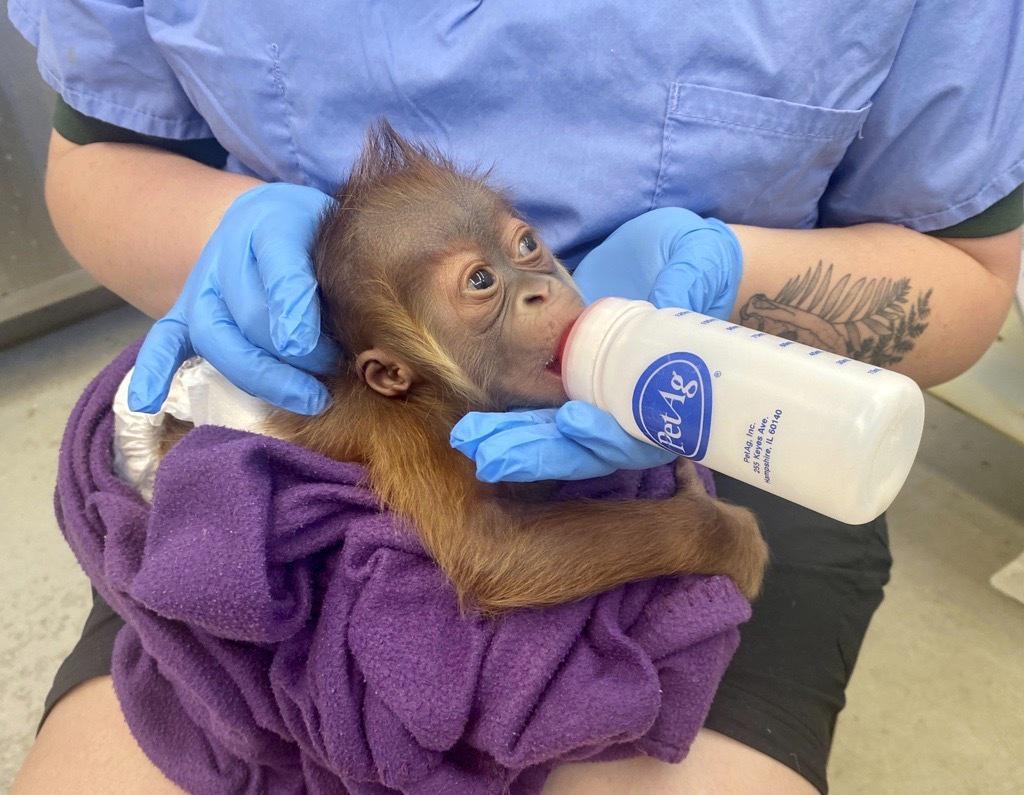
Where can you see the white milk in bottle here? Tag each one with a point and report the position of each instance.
(827, 432)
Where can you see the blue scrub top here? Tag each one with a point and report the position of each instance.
(790, 114)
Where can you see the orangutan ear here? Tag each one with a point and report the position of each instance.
(384, 373)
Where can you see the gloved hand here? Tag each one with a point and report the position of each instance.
(249, 307)
(574, 442)
(670, 257)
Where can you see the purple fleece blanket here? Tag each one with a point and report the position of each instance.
(286, 634)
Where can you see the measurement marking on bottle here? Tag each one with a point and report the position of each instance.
(785, 344)
(709, 321)
(842, 361)
(755, 336)
(684, 313)
(814, 353)
(874, 370)
(731, 328)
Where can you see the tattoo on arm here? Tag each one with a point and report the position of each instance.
(871, 319)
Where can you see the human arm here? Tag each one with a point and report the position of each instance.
(136, 217)
(142, 219)
(858, 291)
(964, 285)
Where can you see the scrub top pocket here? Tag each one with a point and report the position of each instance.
(745, 156)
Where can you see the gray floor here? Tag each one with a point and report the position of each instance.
(936, 706)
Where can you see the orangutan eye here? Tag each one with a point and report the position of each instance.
(481, 279)
(527, 245)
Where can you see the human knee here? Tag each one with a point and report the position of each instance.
(86, 746)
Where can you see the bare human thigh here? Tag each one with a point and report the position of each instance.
(85, 746)
(716, 765)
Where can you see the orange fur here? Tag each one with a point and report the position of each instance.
(402, 209)
(502, 551)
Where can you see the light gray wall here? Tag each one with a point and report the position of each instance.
(29, 250)
(40, 285)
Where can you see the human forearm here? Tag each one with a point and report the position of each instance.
(880, 293)
(134, 216)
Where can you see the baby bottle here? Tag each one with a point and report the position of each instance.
(827, 432)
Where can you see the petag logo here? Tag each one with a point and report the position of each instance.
(672, 404)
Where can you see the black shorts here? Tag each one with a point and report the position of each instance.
(785, 686)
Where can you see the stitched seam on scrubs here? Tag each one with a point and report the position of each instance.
(785, 133)
(1012, 171)
(189, 127)
(666, 144)
(749, 111)
(277, 77)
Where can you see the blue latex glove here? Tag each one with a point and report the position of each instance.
(574, 442)
(669, 256)
(249, 307)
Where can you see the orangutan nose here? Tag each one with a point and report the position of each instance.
(536, 293)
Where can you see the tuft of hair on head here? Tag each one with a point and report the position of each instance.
(374, 247)
(390, 159)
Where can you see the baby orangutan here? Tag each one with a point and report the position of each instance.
(445, 301)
